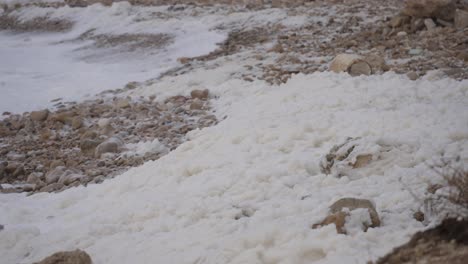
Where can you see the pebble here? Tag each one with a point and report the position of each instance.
(415, 52)
(429, 23)
(461, 19)
(412, 75)
(196, 105)
(111, 145)
(200, 94)
(402, 34)
(39, 115)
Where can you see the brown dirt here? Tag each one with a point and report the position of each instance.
(446, 243)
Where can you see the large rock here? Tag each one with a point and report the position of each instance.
(67, 257)
(39, 115)
(443, 9)
(399, 20)
(461, 19)
(353, 64)
(341, 210)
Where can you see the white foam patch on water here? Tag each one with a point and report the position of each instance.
(262, 158)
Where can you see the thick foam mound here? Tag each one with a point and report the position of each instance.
(249, 189)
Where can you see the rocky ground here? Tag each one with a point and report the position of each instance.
(87, 142)
(390, 40)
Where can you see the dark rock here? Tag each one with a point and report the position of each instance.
(67, 257)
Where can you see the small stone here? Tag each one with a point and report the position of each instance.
(10, 167)
(183, 60)
(278, 48)
(200, 94)
(56, 163)
(419, 216)
(461, 19)
(131, 85)
(71, 163)
(399, 20)
(2, 170)
(415, 52)
(444, 23)
(39, 115)
(28, 187)
(19, 171)
(54, 175)
(40, 185)
(34, 178)
(377, 63)
(196, 105)
(111, 145)
(107, 130)
(77, 122)
(402, 34)
(99, 179)
(412, 75)
(63, 117)
(103, 122)
(360, 68)
(463, 55)
(429, 23)
(123, 103)
(88, 146)
(417, 24)
(67, 179)
(433, 188)
(67, 257)
(46, 134)
(52, 187)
